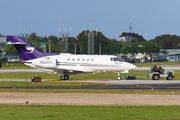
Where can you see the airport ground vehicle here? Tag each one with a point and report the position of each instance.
(168, 74)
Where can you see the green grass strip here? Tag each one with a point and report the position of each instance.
(59, 112)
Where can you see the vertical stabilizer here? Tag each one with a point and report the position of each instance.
(26, 50)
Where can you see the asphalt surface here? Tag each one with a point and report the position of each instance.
(122, 87)
(113, 84)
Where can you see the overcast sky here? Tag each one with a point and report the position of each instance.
(149, 18)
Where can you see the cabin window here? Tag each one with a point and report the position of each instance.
(112, 59)
(68, 59)
(73, 59)
(92, 59)
(87, 59)
(82, 59)
(77, 59)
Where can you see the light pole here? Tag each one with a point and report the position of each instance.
(140, 46)
(99, 48)
(80, 49)
(49, 47)
(75, 48)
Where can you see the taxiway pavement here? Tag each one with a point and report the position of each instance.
(112, 84)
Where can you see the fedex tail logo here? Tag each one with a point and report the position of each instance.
(31, 49)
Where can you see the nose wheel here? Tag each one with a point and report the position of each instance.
(118, 78)
(65, 77)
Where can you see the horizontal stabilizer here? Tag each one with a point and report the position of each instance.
(17, 43)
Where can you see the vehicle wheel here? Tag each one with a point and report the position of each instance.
(118, 78)
(169, 77)
(66, 77)
(62, 77)
(155, 77)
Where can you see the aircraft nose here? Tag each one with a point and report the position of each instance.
(133, 66)
(130, 66)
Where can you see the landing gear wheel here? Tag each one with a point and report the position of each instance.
(62, 77)
(169, 77)
(155, 77)
(65, 77)
(118, 78)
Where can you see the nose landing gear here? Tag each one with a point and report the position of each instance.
(118, 77)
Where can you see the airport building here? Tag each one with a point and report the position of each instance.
(172, 55)
(2, 42)
(125, 38)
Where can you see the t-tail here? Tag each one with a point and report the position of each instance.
(27, 51)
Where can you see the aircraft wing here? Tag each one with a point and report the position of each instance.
(74, 69)
(67, 69)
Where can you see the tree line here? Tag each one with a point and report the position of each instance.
(108, 46)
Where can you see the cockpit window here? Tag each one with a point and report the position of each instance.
(115, 59)
(118, 59)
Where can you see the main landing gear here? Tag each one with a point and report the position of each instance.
(65, 77)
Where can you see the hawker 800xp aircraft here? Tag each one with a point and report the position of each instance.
(68, 64)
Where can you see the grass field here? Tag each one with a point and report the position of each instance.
(14, 66)
(150, 64)
(50, 112)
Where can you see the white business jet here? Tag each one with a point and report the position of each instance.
(68, 64)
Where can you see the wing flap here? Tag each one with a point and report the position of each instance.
(71, 69)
